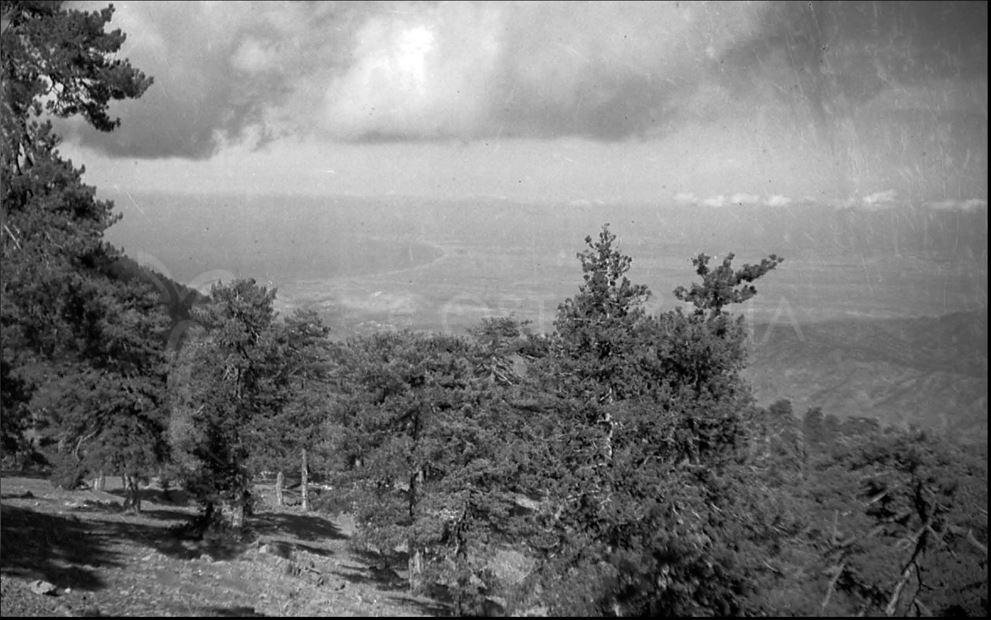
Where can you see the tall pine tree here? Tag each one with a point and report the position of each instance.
(75, 339)
(224, 381)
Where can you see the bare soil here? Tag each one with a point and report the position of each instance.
(104, 562)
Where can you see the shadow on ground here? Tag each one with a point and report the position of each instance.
(231, 612)
(427, 608)
(175, 497)
(68, 550)
(57, 549)
(65, 549)
(166, 515)
(387, 572)
(302, 526)
(8, 472)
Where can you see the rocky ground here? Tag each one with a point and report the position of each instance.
(76, 553)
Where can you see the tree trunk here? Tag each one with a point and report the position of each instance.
(132, 496)
(610, 429)
(304, 483)
(415, 553)
(279, 481)
(232, 514)
(100, 482)
(224, 519)
(166, 486)
(607, 421)
(415, 567)
(461, 601)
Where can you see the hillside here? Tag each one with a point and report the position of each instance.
(931, 372)
(98, 560)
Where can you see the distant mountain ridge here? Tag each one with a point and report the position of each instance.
(930, 372)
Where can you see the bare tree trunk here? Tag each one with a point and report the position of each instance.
(610, 429)
(232, 514)
(415, 564)
(607, 420)
(415, 567)
(304, 483)
(279, 481)
(100, 482)
(132, 496)
(225, 518)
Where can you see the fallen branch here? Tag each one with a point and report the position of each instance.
(13, 237)
(832, 586)
(921, 608)
(969, 537)
(892, 606)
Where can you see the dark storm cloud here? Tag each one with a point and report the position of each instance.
(607, 71)
(892, 91)
(222, 71)
(839, 55)
(599, 70)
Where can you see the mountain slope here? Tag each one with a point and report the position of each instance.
(930, 372)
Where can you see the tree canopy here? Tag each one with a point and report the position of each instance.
(81, 352)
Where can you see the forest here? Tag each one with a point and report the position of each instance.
(621, 453)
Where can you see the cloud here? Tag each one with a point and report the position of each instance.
(254, 73)
(715, 201)
(777, 200)
(968, 206)
(938, 95)
(230, 72)
(422, 73)
(737, 199)
(879, 200)
(744, 199)
(605, 71)
(223, 72)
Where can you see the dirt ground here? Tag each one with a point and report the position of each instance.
(103, 562)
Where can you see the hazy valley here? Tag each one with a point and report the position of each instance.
(879, 314)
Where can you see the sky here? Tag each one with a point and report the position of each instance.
(864, 104)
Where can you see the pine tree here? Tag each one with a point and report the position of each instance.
(649, 426)
(289, 435)
(80, 350)
(596, 327)
(435, 454)
(226, 380)
(723, 285)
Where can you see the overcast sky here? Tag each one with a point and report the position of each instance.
(874, 103)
